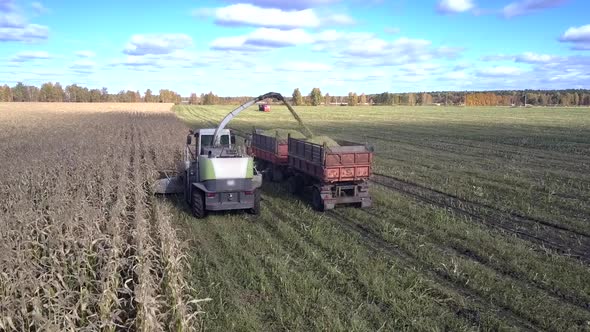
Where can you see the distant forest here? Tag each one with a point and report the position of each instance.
(54, 92)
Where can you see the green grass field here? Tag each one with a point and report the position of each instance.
(480, 221)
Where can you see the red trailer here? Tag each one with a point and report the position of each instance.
(271, 155)
(335, 175)
(264, 107)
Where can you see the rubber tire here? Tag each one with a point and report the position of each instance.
(316, 201)
(267, 175)
(198, 204)
(277, 175)
(255, 210)
(294, 185)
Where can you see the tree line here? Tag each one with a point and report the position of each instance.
(50, 92)
(572, 97)
(213, 99)
(54, 92)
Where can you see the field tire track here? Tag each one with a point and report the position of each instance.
(277, 211)
(378, 244)
(515, 277)
(577, 245)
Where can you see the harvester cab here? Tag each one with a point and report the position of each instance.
(215, 174)
(204, 142)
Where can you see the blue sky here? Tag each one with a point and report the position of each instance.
(249, 47)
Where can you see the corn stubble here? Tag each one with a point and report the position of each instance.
(83, 243)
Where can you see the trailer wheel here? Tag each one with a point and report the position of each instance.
(198, 204)
(316, 200)
(277, 175)
(295, 185)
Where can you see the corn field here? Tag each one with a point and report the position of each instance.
(84, 245)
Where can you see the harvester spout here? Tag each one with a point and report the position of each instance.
(274, 95)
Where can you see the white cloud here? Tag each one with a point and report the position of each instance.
(246, 14)
(12, 20)
(84, 63)
(454, 6)
(83, 66)
(456, 75)
(39, 8)
(277, 38)
(339, 19)
(7, 6)
(291, 4)
(30, 55)
(136, 61)
(500, 71)
(203, 12)
(349, 48)
(27, 33)
(229, 43)
(529, 57)
(85, 54)
(305, 67)
(402, 51)
(263, 38)
(15, 27)
(369, 47)
(282, 17)
(524, 7)
(157, 43)
(391, 30)
(176, 59)
(498, 57)
(578, 36)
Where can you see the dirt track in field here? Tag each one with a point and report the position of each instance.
(567, 241)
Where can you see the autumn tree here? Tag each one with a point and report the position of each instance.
(315, 97)
(148, 96)
(169, 96)
(104, 95)
(5, 93)
(411, 99)
(20, 93)
(565, 99)
(362, 99)
(297, 98)
(426, 99)
(576, 99)
(58, 92)
(193, 100)
(33, 93)
(352, 99)
(77, 94)
(46, 93)
(94, 96)
(210, 99)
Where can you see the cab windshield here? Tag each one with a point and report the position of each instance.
(207, 140)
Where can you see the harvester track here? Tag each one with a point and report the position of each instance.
(561, 239)
(377, 243)
(516, 277)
